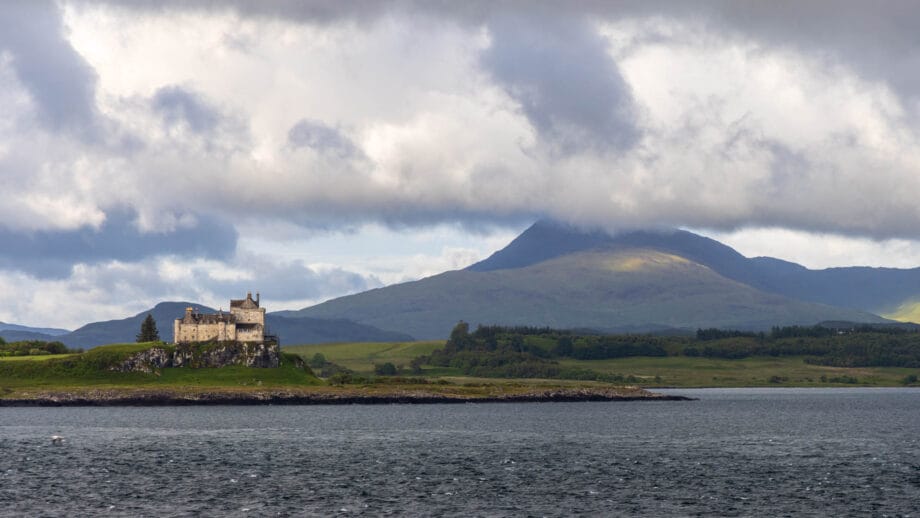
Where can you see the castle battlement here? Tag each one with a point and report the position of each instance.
(244, 323)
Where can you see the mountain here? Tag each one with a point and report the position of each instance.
(559, 276)
(876, 290)
(15, 332)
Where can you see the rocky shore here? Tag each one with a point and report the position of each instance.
(321, 397)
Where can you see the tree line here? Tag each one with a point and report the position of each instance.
(527, 352)
(34, 348)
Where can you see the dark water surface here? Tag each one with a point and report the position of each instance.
(735, 452)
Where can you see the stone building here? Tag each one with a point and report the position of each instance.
(244, 323)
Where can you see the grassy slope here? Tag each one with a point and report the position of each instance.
(599, 290)
(676, 371)
(37, 358)
(906, 312)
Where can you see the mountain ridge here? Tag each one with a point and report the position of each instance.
(877, 290)
(592, 289)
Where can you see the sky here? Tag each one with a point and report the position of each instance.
(200, 149)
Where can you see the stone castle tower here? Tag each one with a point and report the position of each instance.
(244, 323)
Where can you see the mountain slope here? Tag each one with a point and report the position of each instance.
(598, 288)
(296, 331)
(876, 290)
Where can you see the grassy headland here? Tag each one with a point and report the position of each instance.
(488, 364)
(90, 378)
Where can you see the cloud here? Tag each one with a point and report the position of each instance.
(58, 79)
(567, 85)
(282, 281)
(53, 253)
(320, 137)
(627, 116)
(179, 106)
(116, 289)
(251, 120)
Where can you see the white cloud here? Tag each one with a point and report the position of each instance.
(818, 251)
(414, 119)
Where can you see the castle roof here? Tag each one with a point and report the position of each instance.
(246, 303)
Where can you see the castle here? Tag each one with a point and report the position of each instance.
(244, 323)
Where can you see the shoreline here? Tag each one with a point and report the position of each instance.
(101, 398)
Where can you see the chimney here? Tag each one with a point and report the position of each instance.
(257, 298)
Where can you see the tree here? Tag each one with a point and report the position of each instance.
(318, 361)
(460, 338)
(564, 346)
(387, 369)
(149, 331)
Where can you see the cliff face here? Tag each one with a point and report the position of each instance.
(197, 356)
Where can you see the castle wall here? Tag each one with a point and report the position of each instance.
(220, 331)
(249, 316)
(254, 333)
(250, 323)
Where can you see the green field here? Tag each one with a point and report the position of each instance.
(681, 371)
(361, 357)
(671, 371)
(36, 358)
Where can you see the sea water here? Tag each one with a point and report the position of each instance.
(734, 452)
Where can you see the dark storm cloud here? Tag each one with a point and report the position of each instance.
(58, 79)
(322, 138)
(178, 105)
(567, 85)
(52, 253)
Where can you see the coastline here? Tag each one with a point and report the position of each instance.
(115, 397)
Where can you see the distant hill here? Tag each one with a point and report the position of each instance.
(600, 288)
(291, 332)
(18, 336)
(15, 332)
(125, 330)
(296, 331)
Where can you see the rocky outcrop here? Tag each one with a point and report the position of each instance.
(195, 356)
(146, 361)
